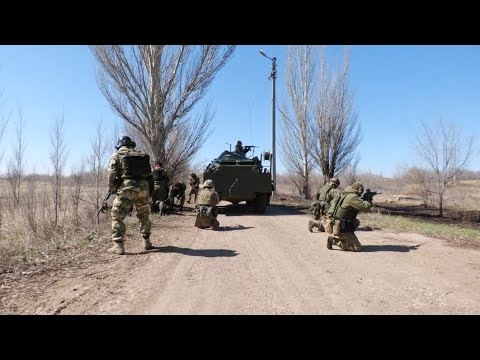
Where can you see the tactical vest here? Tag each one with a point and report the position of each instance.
(337, 211)
(135, 164)
(320, 207)
(206, 197)
(335, 204)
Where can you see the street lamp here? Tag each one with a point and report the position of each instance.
(273, 76)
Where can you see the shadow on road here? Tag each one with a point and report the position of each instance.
(271, 210)
(368, 228)
(236, 227)
(397, 248)
(190, 252)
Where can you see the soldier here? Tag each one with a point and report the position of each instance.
(343, 222)
(206, 207)
(194, 183)
(177, 191)
(240, 149)
(160, 192)
(319, 207)
(130, 177)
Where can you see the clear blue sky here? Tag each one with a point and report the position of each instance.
(396, 88)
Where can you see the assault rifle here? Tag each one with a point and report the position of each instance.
(368, 195)
(104, 206)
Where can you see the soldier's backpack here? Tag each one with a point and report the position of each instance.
(335, 204)
(136, 164)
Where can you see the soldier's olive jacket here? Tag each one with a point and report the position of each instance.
(116, 178)
(351, 205)
(327, 193)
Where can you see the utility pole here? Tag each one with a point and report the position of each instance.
(273, 76)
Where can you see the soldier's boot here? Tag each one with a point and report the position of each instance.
(161, 207)
(117, 248)
(147, 244)
(329, 243)
(320, 227)
(215, 224)
(311, 225)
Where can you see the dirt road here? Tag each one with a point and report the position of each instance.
(258, 264)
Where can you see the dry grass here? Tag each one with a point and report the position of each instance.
(28, 231)
(461, 235)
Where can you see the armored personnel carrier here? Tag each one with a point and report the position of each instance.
(238, 178)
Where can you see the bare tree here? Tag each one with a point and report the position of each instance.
(443, 149)
(15, 168)
(154, 88)
(99, 162)
(420, 181)
(336, 131)
(78, 175)
(3, 126)
(114, 136)
(295, 137)
(351, 172)
(58, 159)
(30, 203)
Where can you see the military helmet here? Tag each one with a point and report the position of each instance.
(125, 141)
(192, 174)
(239, 142)
(335, 180)
(358, 187)
(208, 184)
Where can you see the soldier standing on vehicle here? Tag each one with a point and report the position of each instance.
(177, 192)
(319, 207)
(343, 222)
(130, 177)
(160, 192)
(240, 149)
(206, 207)
(194, 183)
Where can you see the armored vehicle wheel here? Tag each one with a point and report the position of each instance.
(260, 203)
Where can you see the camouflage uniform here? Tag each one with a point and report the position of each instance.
(177, 191)
(206, 207)
(319, 207)
(160, 192)
(130, 190)
(343, 222)
(194, 183)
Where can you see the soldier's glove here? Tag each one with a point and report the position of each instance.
(113, 190)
